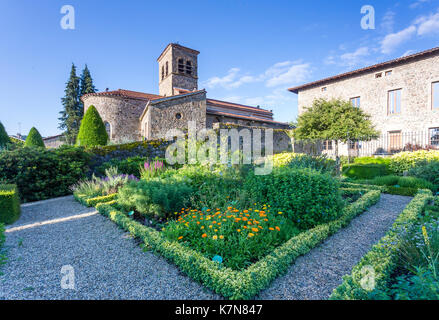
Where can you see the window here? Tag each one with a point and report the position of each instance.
(434, 136)
(167, 69)
(388, 73)
(355, 102)
(324, 89)
(188, 67)
(435, 95)
(108, 129)
(180, 66)
(394, 104)
(395, 140)
(327, 145)
(354, 144)
(178, 116)
(163, 72)
(379, 75)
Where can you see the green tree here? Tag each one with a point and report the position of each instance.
(85, 86)
(4, 138)
(92, 131)
(71, 115)
(34, 139)
(335, 120)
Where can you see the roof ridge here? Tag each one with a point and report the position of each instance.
(365, 69)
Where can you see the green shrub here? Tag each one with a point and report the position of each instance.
(405, 161)
(413, 182)
(4, 138)
(2, 241)
(34, 139)
(9, 204)
(364, 171)
(385, 180)
(155, 198)
(372, 160)
(92, 131)
(41, 174)
(408, 192)
(306, 196)
(427, 170)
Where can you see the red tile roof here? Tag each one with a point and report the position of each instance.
(233, 115)
(125, 94)
(383, 65)
(239, 106)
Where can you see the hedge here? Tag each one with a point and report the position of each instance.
(34, 139)
(410, 192)
(42, 174)
(364, 171)
(92, 131)
(382, 257)
(225, 281)
(94, 201)
(9, 204)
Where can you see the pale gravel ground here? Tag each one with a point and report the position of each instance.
(109, 264)
(315, 275)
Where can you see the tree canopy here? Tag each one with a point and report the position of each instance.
(334, 120)
(34, 139)
(4, 138)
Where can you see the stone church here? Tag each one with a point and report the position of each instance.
(131, 116)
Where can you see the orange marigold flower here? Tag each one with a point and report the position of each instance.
(255, 230)
(204, 235)
(239, 230)
(244, 219)
(179, 238)
(245, 211)
(272, 229)
(221, 237)
(251, 235)
(245, 227)
(277, 228)
(215, 237)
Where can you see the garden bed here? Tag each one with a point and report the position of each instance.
(230, 283)
(373, 276)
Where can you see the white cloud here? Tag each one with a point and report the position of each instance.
(354, 58)
(407, 53)
(418, 3)
(428, 25)
(287, 73)
(282, 73)
(393, 40)
(388, 21)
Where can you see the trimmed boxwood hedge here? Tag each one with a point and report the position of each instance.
(9, 204)
(225, 281)
(364, 171)
(409, 192)
(382, 257)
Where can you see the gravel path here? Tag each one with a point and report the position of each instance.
(316, 274)
(107, 262)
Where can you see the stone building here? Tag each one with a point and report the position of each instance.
(401, 95)
(132, 116)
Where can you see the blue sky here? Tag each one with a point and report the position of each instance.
(251, 51)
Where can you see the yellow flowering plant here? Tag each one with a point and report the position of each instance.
(240, 237)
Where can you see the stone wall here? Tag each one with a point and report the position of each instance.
(174, 113)
(121, 113)
(212, 119)
(414, 78)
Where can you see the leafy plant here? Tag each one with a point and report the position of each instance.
(427, 170)
(4, 138)
(404, 161)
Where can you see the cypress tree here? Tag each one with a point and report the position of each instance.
(4, 138)
(72, 113)
(85, 86)
(34, 139)
(92, 131)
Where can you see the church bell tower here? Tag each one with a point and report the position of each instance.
(178, 70)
